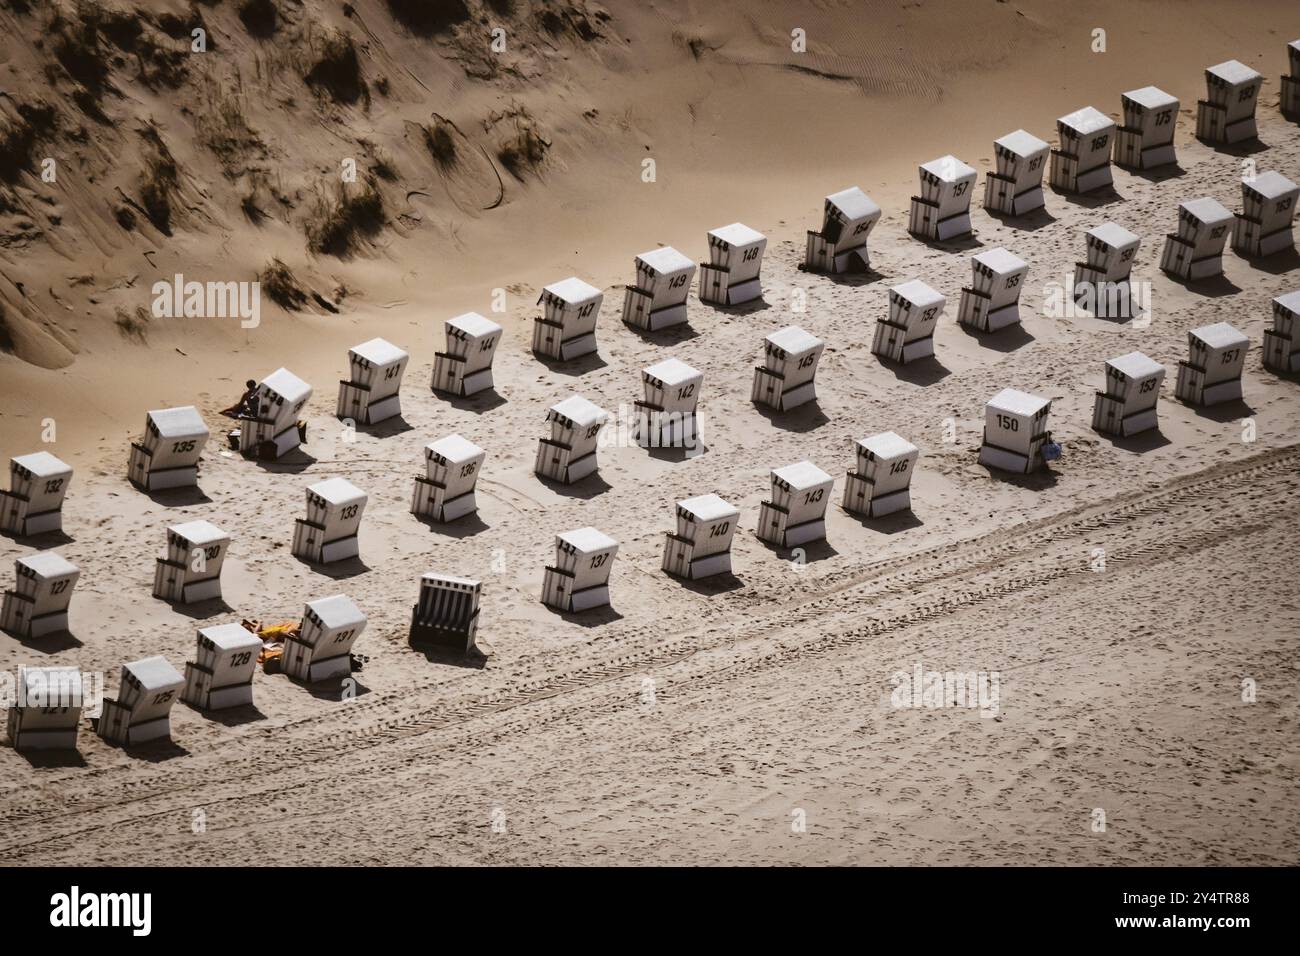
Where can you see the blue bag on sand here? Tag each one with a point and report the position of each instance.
(1051, 451)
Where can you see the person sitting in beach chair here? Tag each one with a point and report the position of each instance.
(246, 407)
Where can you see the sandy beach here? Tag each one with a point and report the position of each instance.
(1122, 595)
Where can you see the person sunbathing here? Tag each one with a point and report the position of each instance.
(246, 407)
